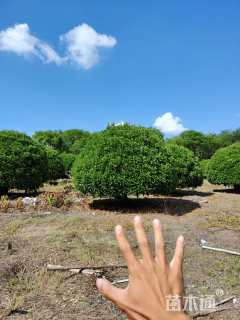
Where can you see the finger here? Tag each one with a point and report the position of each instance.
(126, 250)
(109, 291)
(159, 243)
(142, 240)
(177, 260)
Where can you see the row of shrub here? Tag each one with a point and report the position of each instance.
(26, 164)
(117, 162)
(128, 160)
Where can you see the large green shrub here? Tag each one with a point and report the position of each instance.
(55, 165)
(68, 160)
(23, 162)
(224, 166)
(186, 166)
(124, 160)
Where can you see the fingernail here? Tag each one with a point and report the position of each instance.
(99, 283)
(181, 238)
(156, 222)
(118, 229)
(137, 219)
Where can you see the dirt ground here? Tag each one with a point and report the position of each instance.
(31, 240)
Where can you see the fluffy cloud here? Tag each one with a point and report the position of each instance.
(19, 40)
(169, 124)
(83, 44)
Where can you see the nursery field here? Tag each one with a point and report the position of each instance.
(60, 227)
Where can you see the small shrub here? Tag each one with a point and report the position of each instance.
(4, 203)
(224, 167)
(55, 199)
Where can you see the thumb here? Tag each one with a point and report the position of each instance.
(109, 291)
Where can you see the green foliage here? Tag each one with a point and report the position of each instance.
(55, 165)
(124, 160)
(186, 166)
(224, 166)
(203, 146)
(204, 165)
(51, 139)
(67, 159)
(72, 136)
(61, 141)
(79, 144)
(23, 162)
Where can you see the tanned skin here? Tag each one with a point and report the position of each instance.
(151, 280)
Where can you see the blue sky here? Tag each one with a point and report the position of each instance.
(157, 57)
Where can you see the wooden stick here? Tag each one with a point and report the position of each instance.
(221, 250)
(206, 313)
(224, 301)
(53, 267)
(120, 281)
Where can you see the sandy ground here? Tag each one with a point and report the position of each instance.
(29, 241)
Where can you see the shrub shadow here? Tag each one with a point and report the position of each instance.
(227, 190)
(182, 192)
(170, 206)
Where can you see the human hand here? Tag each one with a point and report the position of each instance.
(152, 281)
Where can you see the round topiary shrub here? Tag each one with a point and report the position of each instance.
(67, 159)
(55, 165)
(186, 166)
(224, 167)
(23, 162)
(124, 160)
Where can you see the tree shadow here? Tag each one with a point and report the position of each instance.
(171, 206)
(182, 192)
(227, 190)
(15, 195)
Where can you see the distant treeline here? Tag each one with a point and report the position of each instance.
(202, 145)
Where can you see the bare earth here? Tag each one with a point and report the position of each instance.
(29, 241)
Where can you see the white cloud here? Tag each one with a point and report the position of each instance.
(19, 40)
(169, 124)
(83, 44)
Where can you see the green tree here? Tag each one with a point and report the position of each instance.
(203, 146)
(79, 144)
(23, 162)
(224, 167)
(72, 136)
(68, 160)
(124, 160)
(55, 165)
(53, 139)
(186, 166)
